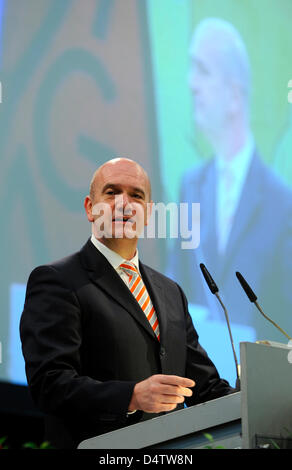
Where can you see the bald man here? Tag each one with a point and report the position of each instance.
(107, 340)
(246, 210)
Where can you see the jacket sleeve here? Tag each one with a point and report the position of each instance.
(51, 335)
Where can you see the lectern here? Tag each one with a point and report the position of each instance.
(261, 410)
(266, 393)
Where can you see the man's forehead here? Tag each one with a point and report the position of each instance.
(122, 177)
(206, 56)
(120, 171)
(203, 48)
(126, 175)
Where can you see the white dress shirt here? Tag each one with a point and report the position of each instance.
(231, 176)
(115, 259)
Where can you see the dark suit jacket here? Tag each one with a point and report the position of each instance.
(259, 246)
(86, 343)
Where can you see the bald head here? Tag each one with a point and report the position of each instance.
(228, 50)
(120, 170)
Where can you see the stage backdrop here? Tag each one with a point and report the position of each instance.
(83, 82)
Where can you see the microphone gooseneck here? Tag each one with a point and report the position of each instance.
(214, 289)
(253, 298)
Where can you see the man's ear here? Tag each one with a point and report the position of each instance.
(148, 212)
(88, 208)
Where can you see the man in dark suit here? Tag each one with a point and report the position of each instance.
(259, 246)
(246, 211)
(107, 340)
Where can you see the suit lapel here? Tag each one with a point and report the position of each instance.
(104, 276)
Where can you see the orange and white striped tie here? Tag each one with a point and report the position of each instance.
(139, 291)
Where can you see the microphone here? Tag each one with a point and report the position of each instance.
(253, 298)
(214, 289)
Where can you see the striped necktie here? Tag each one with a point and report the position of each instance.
(139, 291)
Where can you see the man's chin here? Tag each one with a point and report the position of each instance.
(122, 230)
(119, 230)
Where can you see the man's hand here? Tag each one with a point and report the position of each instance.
(160, 393)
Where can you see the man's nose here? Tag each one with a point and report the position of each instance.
(122, 201)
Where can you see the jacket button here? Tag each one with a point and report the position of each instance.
(162, 351)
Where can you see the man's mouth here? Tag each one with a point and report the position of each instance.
(124, 219)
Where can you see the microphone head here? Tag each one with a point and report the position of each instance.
(208, 278)
(247, 289)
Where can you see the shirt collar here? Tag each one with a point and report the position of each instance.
(114, 258)
(240, 162)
